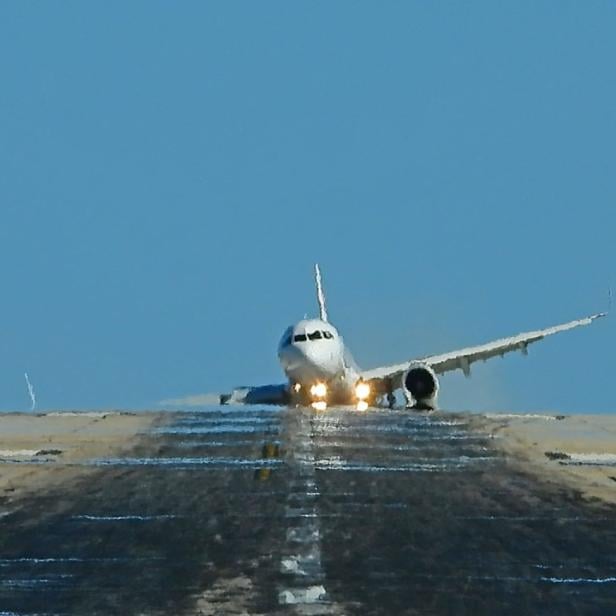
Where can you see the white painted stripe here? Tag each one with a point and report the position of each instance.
(223, 462)
(554, 580)
(18, 453)
(73, 559)
(124, 518)
(596, 459)
(301, 560)
(311, 594)
(521, 416)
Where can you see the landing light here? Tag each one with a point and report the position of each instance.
(297, 387)
(318, 390)
(362, 391)
(362, 405)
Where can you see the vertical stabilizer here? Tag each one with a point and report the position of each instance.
(320, 294)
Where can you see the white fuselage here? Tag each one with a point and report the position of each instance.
(313, 351)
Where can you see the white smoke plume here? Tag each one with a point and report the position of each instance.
(195, 400)
(30, 392)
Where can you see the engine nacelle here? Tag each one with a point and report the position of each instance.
(420, 386)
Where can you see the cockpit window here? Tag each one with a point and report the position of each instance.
(316, 335)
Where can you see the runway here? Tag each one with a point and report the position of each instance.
(229, 510)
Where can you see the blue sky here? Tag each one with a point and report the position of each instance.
(170, 172)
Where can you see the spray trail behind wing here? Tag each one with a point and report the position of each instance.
(30, 391)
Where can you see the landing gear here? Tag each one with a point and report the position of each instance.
(421, 406)
(299, 396)
(391, 399)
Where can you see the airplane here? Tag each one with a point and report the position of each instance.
(321, 371)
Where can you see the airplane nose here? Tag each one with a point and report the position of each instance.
(309, 352)
(319, 356)
(309, 361)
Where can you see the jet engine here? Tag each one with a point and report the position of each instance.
(420, 386)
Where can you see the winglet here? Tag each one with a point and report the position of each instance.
(320, 294)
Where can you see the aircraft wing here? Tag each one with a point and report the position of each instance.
(262, 394)
(462, 359)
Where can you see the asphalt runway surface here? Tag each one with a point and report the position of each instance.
(260, 511)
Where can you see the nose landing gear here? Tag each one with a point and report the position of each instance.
(391, 398)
